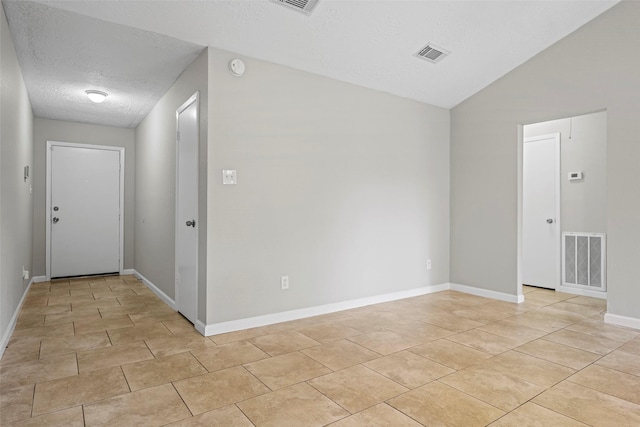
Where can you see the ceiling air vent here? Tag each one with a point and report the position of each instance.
(304, 6)
(432, 53)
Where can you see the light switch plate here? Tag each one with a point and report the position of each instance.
(229, 177)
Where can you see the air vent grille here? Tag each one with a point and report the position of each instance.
(304, 6)
(432, 53)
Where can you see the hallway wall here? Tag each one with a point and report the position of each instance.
(16, 201)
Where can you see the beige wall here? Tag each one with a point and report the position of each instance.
(583, 148)
(156, 181)
(344, 189)
(16, 202)
(564, 80)
(81, 133)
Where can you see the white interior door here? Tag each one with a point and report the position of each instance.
(84, 209)
(541, 211)
(187, 209)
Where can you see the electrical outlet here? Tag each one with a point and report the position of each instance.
(25, 274)
(428, 264)
(284, 282)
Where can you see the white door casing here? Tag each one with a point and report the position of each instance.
(541, 241)
(84, 209)
(187, 222)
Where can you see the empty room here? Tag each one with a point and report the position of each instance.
(319, 212)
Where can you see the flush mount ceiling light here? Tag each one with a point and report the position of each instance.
(96, 96)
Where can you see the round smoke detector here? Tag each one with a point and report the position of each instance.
(237, 67)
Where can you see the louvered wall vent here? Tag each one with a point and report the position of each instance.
(304, 6)
(432, 53)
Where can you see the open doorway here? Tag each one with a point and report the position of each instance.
(563, 205)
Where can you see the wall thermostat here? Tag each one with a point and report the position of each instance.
(236, 66)
(574, 176)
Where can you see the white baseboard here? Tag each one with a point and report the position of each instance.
(629, 322)
(164, 297)
(128, 272)
(486, 293)
(583, 292)
(39, 279)
(6, 336)
(269, 319)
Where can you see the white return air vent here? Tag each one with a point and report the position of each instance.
(432, 53)
(304, 6)
(584, 261)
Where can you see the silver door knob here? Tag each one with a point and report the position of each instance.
(191, 223)
(55, 219)
(549, 221)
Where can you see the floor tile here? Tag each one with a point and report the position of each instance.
(451, 354)
(599, 329)
(15, 402)
(440, 405)
(39, 370)
(381, 415)
(217, 389)
(65, 345)
(327, 332)
(484, 341)
(505, 391)
(529, 368)
(582, 341)
(166, 346)
(138, 333)
(579, 309)
(45, 331)
(155, 406)
(422, 331)
(72, 316)
(632, 346)
(71, 417)
(532, 415)
(284, 342)
(589, 406)
(451, 322)
(521, 333)
(30, 321)
(297, 405)
(385, 342)
(20, 350)
(559, 353)
(622, 361)
(409, 369)
(215, 358)
(78, 390)
(121, 321)
(227, 416)
(357, 388)
(101, 358)
(340, 354)
(151, 373)
(549, 321)
(615, 383)
(287, 369)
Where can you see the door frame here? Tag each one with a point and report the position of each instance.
(50, 145)
(558, 200)
(195, 98)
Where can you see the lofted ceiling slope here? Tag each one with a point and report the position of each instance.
(135, 49)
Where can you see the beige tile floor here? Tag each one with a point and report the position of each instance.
(106, 351)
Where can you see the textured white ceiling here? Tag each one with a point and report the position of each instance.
(370, 43)
(62, 54)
